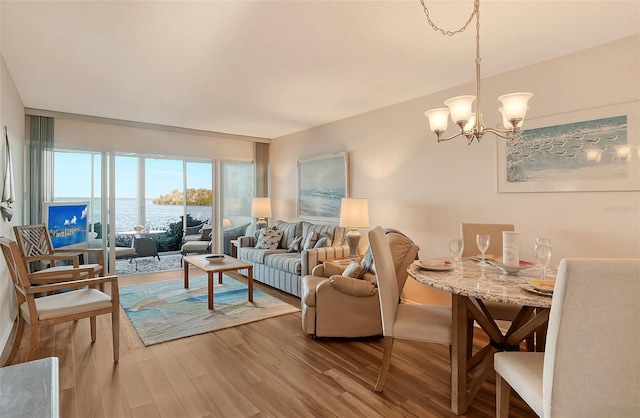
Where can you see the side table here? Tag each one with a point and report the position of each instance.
(234, 247)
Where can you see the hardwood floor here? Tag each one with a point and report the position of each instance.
(262, 369)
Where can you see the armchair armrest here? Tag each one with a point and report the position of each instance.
(310, 257)
(327, 269)
(246, 241)
(54, 258)
(353, 287)
(77, 252)
(76, 284)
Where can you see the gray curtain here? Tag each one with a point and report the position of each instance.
(261, 158)
(40, 165)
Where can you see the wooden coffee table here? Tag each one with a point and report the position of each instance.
(228, 264)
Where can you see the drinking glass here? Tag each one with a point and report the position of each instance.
(543, 257)
(543, 241)
(482, 240)
(456, 247)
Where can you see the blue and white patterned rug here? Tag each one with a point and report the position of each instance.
(165, 311)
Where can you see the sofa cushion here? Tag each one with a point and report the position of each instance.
(289, 262)
(290, 230)
(255, 255)
(269, 239)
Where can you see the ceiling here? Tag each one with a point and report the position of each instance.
(270, 68)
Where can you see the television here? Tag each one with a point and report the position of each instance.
(67, 223)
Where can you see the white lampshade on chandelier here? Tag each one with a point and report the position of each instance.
(514, 105)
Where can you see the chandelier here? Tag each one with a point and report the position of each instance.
(514, 105)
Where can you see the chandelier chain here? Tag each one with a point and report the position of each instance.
(436, 28)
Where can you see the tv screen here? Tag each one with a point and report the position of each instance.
(67, 223)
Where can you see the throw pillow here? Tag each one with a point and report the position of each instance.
(269, 239)
(295, 245)
(352, 287)
(322, 242)
(353, 270)
(310, 241)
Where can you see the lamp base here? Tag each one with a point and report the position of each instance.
(261, 223)
(353, 238)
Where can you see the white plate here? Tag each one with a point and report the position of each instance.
(511, 269)
(545, 286)
(435, 265)
(531, 289)
(215, 258)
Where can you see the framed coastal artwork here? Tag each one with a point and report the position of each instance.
(322, 183)
(591, 150)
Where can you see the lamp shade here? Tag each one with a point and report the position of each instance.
(261, 207)
(354, 213)
(515, 105)
(507, 124)
(226, 222)
(460, 107)
(438, 119)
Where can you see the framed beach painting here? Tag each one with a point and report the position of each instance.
(591, 150)
(322, 183)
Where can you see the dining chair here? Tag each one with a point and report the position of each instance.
(400, 320)
(85, 300)
(469, 231)
(34, 244)
(591, 363)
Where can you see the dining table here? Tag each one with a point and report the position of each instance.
(471, 284)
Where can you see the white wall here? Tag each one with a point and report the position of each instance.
(426, 189)
(11, 116)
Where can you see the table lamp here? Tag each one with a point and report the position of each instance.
(261, 209)
(354, 214)
(226, 223)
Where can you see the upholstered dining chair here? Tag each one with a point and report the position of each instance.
(469, 231)
(591, 364)
(399, 320)
(85, 300)
(35, 244)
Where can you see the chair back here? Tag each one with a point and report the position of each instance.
(33, 240)
(388, 292)
(17, 268)
(592, 359)
(469, 232)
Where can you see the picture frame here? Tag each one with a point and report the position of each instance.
(322, 183)
(584, 151)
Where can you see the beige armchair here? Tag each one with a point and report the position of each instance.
(349, 307)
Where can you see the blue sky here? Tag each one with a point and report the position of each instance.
(161, 176)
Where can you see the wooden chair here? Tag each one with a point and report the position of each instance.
(499, 311)
(591, 364)
(72, 305)
(399, 320)
(35, 244)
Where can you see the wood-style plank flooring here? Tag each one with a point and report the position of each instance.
(262, 369)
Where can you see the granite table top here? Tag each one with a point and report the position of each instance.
(470, 279)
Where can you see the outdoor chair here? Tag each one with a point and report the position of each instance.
(85, 300)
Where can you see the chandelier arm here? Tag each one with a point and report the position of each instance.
(440, 139)
(448, 32)
(506, 134)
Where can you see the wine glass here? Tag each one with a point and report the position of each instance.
(482, 240)
(543, 241)
(543, 257)
(456, 247)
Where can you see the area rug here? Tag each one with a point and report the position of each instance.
(165, 311)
